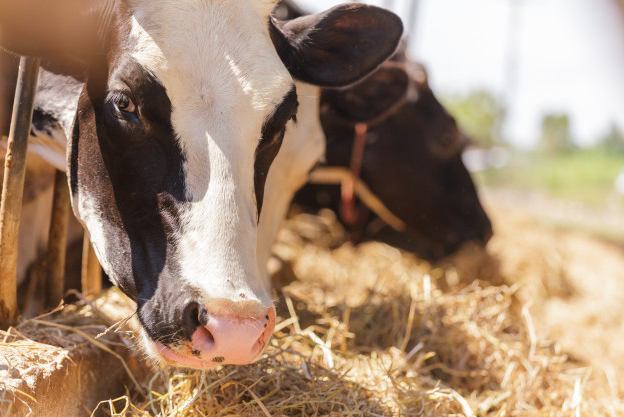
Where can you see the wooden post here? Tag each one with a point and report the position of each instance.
(13, 186)
(91, 274)
(57, 241)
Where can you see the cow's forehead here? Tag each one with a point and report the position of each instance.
(210, 52)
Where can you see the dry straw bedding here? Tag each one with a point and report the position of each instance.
(372, 331)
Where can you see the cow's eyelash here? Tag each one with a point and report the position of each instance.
(117, 96)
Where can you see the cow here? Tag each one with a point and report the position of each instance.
(412, 162)
(172, 114)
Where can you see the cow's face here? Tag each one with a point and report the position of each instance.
(183, 111)
(168, 174)
(412, 160)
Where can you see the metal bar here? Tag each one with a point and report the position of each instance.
(13, 186)
(57, 241)
(91, 274)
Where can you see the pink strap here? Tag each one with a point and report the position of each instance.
(348, 213)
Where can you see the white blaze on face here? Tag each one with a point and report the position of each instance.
(224, 78)
(303, 146)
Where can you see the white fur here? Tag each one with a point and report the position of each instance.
(58, 95)
(224, 78)
(303, 146)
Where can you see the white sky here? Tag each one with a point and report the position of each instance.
(566, 56)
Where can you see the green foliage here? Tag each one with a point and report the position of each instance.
(479, 114)
(556, 135)
(587, 176)
(613, 141)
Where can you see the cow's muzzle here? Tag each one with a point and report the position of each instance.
(215, 340)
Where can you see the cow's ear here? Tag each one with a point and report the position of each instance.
(371, 98)
(337, 47)
(59, 29)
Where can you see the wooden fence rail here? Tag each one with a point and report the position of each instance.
(13, 186)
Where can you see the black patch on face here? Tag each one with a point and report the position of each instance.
(130, 167)
(271, 141)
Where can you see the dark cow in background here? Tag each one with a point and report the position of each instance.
(172, 113)
(412, 160)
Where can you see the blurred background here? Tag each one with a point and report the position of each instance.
(539, 86)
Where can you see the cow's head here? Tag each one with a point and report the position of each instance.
(183, 111)
(412, 159)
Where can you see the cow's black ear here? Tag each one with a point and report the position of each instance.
(337, 47)
(371, 98)
(57, 30)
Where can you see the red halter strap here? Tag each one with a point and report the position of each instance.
(348, 212)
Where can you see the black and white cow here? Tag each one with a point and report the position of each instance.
(173, 112)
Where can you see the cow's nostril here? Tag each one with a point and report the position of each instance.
(191, 318)
(203, 316)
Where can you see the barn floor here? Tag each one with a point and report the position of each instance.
(532, 326)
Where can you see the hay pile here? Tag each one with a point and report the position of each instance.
(372, 331)
(45, 358)
(368, 331)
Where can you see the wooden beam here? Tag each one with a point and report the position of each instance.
(13, 186)
(57, 241)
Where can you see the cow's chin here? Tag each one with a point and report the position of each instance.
(163, 354)
(167, 356)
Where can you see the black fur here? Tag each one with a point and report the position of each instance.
(272, 136)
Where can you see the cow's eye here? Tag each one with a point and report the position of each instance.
(124, 103)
